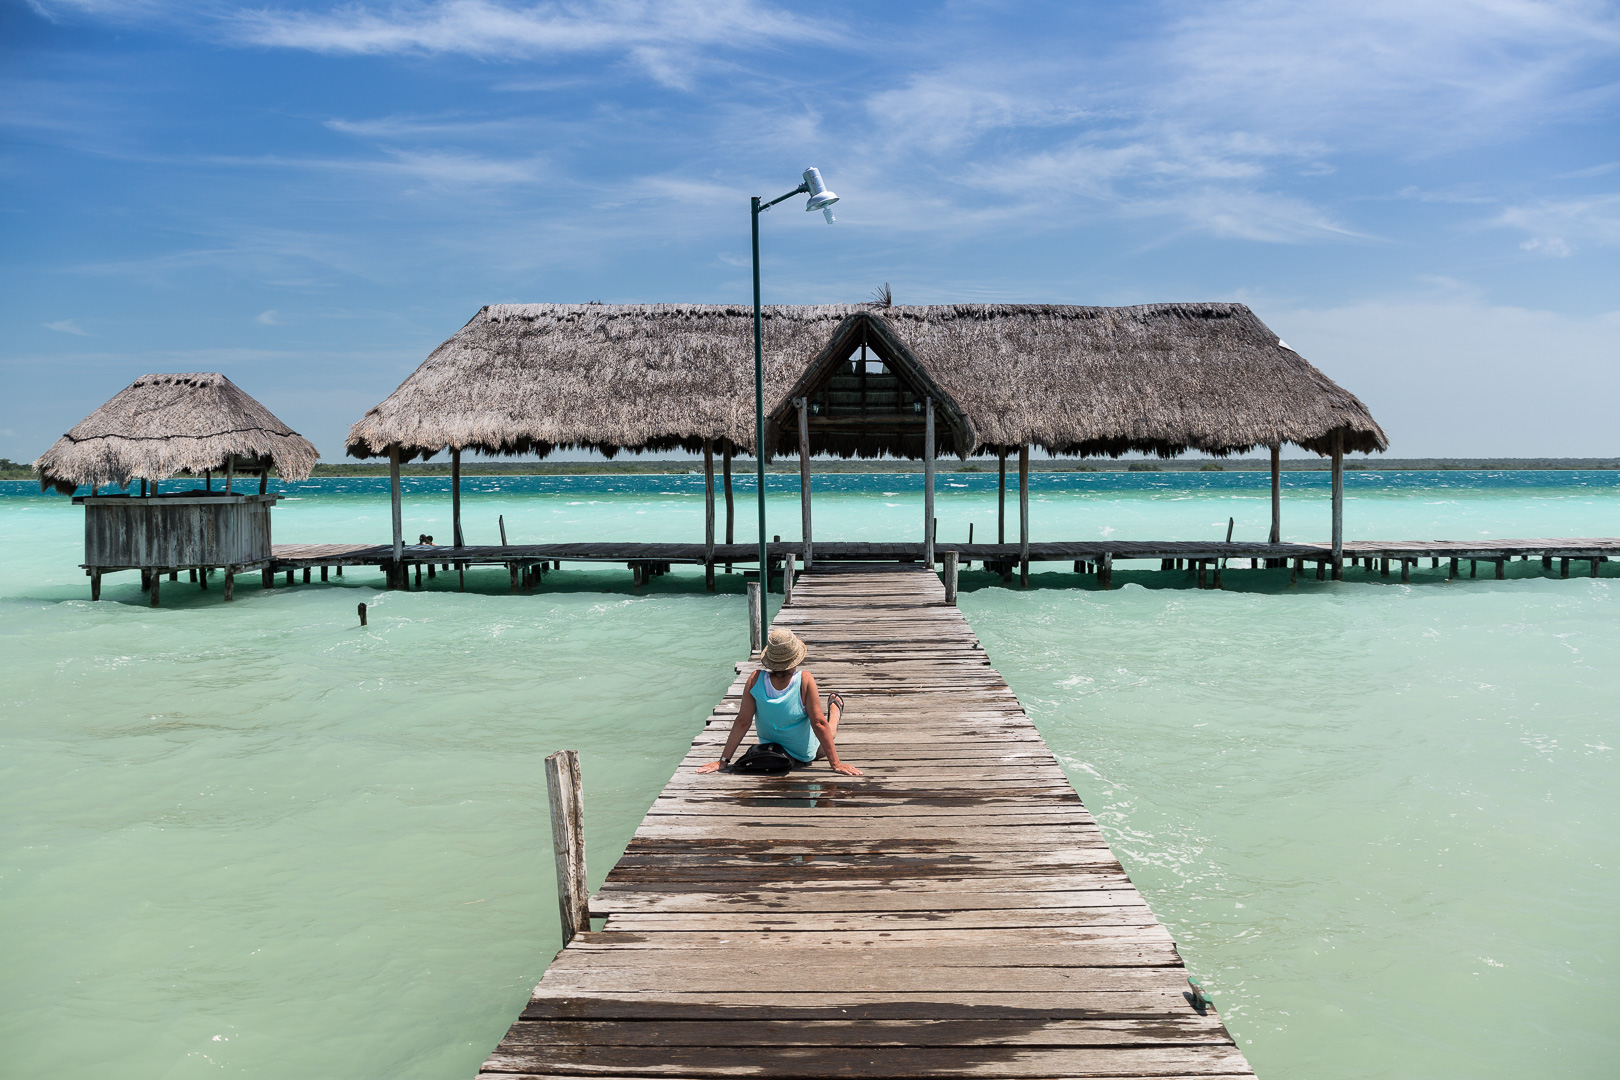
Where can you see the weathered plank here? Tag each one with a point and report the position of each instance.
(955, 911)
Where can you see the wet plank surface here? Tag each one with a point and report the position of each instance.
(954, 912)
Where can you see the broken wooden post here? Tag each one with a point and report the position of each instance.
(362, 614)
(567, 797)
(951, 558)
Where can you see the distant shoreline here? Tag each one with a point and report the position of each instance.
(652, 466)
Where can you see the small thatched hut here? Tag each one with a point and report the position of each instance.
(161, 426)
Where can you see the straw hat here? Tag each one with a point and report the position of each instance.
(783, 651)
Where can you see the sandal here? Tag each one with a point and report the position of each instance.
(835, 698)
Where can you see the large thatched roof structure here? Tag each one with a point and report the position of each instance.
(1160, 378)
(532, 378)
(166, 425)
(1154, 378)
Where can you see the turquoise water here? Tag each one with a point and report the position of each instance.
(257, 840)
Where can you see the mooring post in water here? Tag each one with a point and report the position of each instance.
(362, 614)
(787, 578)
(568, 841)
(502, 520)
(950, 558)
(756, 618)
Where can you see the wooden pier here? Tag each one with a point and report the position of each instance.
(954, 912)
(527, 561)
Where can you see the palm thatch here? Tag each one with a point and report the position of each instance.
(1154, 378)
(1157, 378)
(168, 425)
(533, 378)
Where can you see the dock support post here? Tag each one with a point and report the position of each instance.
(1001, 495)
(157, 581)
(1406, 571)
(95, 584)
(1563, 568)
(1595, 567)
(789, 570)
(1105, 570)
(708, 514)
(1338, 504)
(731, 517)
(1023, 516)
(230, 584)
(928, 484)
(323, 573)
(951, 558)
(396, 578)
(756, 618)
(804, 475)
(267, 578)
(567, 797)
(1276, 493)
(1501, 569)
(512, 572)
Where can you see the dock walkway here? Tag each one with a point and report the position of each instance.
(954, 912)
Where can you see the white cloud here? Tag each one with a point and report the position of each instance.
(268, 318)
(1561, 226)
(68, 326)
(1432, 370)
(661, 35)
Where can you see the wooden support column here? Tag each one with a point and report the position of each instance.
(756, 618)
(804, 476)
(1001, 495)
(264, 479)
(950, 577)
(928, 485)
(731, 516)
(230, 473)
(1023, 516)
(397, 574)
(157, 582)
(1276, 493)
(567, 797)
(1338, 504)
(708, 514)
(455, 498)
(230, 584)
(789, 572)
(95, 584)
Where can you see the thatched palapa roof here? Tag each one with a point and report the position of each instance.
(165, 425)
(531, 378)
(1153, 378)
(1159, 378)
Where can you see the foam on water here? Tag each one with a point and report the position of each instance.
(256, 840)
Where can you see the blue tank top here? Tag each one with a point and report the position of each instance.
(780, 717)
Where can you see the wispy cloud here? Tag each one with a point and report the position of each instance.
(662, 36)
(268, 318)
(1560, 227)
(68, 326)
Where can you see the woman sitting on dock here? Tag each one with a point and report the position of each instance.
(782, 703)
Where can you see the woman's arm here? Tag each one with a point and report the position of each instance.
(739, 727)
(823, 730)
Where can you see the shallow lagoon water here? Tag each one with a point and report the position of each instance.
(256, 840)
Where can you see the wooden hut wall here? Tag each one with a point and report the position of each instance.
(169, 531)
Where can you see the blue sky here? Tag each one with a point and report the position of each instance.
(1422, 198)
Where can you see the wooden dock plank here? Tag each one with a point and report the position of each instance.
(953, 912)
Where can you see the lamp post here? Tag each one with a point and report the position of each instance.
(820, 199)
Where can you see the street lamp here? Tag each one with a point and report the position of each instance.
(820, 199)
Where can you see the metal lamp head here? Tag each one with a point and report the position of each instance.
(820, 198)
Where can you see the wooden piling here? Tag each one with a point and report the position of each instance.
(1023, 516)
(929, 524)
(323, 573)
(804, 478)
(1338, 503)
(1563, 568)
(289, 578)
(725, 463)
(267, 578)
(501, 520)
(755, 618)
(566, 795)
(788, 573)
(1276, 493)
(230, 584)
(950, 577)
(394, 500)
(157, 584)
(95, 584)
(418, 575)
(362, 614)
(708, 514)
(1501, 569)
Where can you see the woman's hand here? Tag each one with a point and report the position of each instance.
(713, 766)
(843, 767)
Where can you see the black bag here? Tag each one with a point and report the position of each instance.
(764, 759)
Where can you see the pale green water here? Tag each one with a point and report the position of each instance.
(255, 840)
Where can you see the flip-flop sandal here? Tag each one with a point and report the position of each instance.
(835, 698)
